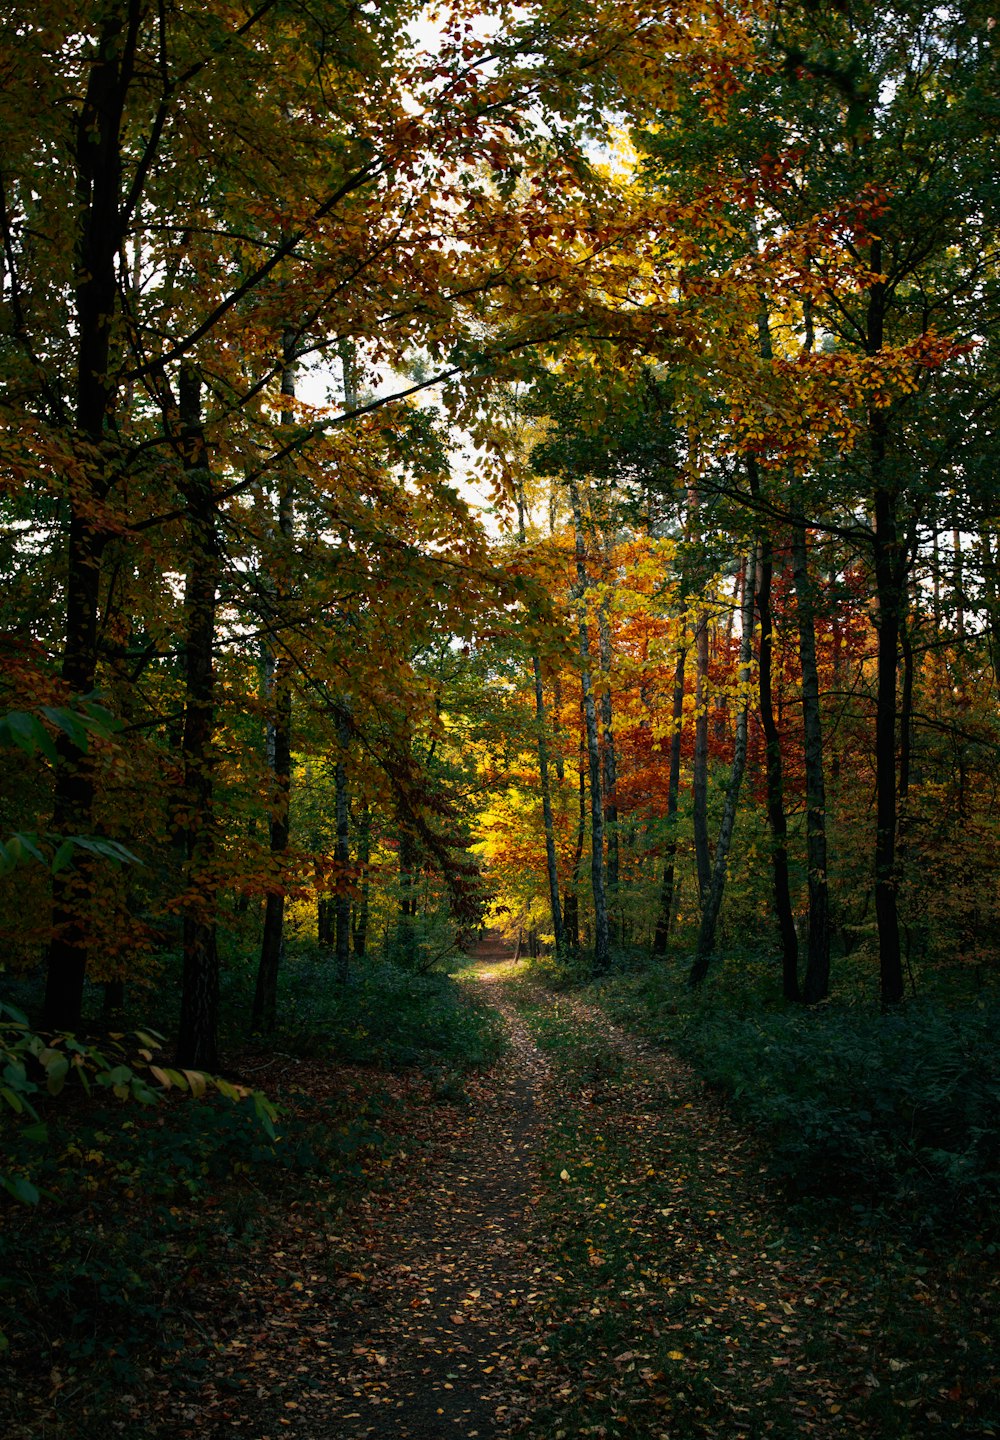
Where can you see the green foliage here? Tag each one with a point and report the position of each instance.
(35, 1071)
(34, 731)
(386, 1016)
(897, 1115)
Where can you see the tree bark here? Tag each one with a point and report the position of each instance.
(360, 933)
(98, 183)
(197, 1034)
(342, 855)
(817, 978)
(265, 1000)
(571, 901)
(890, 573)
(662, 933)
(774, 770)
(712, 900)
(551, 862)
(609, 761)
(406, 931)
(602, 949)
(887, 592)
(700, 762)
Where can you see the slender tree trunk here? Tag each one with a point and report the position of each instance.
(406, 930)
(571, 903)
(342, 854)
(958, 572)
(551, 862)
(890, 573)
(817, 979)
(662, 932)
(888, 594)
(364, 859)
(818, 969)
(609, 760)
(700, 762)
(775, 778)
(197, 1034)
(712, 901)
(602, 952)
(98, 182)
(988, 564)
(265, 1000)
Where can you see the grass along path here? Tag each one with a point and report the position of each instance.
(681, 1304)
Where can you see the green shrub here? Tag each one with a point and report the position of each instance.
(895, 1114)
(385, 1016)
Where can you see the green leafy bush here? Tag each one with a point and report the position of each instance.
(386, 1016)
(896, 1114)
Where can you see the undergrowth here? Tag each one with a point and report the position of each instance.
(385, 1016)
(893, 1117)
(144, 1208)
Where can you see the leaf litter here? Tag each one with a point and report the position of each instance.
(585, 1245)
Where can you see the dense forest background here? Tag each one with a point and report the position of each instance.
(515, 467)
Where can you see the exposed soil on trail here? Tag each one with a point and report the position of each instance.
(406, 1316)
(437, 1338)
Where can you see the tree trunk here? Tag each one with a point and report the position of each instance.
(551, 862)
(406, 930)
(342, 854)
(360, 934)
(712, 900)
(700, 762)
(817, 978)
(197, 1035)
(571, 901)
(602, 951)
(609, 765)
(98, 182)
(887, 591)
(265, 1000)
(662, 932)
(890, 573)
(775, 780)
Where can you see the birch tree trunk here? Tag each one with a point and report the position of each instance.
(551, 862)
(712, 901)
(602, 949)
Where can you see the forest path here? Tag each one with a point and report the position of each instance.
(585, 1244)
(404, 1315)
(439, 1336)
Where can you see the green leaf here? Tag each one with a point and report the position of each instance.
(20, 1188)
(267, 1113)
(69, 723)
(56, 1072)
(13, 1100)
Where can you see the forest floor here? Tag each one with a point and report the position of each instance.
(579, 1241)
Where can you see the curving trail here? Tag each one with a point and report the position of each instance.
(433, 1307)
